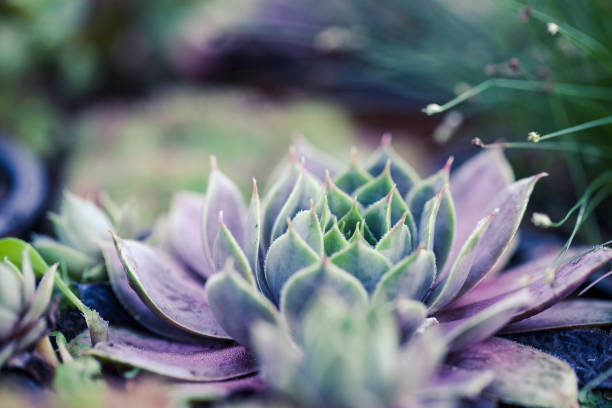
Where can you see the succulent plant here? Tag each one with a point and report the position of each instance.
(373, 233)
(82, 230)
(22, 305)
(347, 356)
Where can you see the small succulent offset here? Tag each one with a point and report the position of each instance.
(22, 305)
(373, 234)
(347, 356)
(82, 229)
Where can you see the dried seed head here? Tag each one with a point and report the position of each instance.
(552, 28)
(432, 109)
(478, 142)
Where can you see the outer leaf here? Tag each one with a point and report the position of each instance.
(474, 187)
(222, 195)
(512, 203)
(167, 289)
(42, 296)
(237, 306)
(399, 209)
(307, 226)
(306, 189)
(566, 314)
(53, 251)
(523, 375)
(338, 201)
(452, 382)
(427, 227)
(287, 255)
(545, 289)
(411, 278)
(450, 287)
(252, 241)
(397, 243)
(445, 220)
(474, 329)
(132, 303)
(363, 262)
(317, 163)
(185, 235)
(301, 288)
(226, 248)
(12, 248)
(207, 361)
(404, 176)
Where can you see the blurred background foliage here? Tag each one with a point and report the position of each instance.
(132, 97)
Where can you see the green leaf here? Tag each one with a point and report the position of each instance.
(349, 222)
(363, 262)
(12, 248)
(227, 248)
(411, 278)
(445, 219)
(305, 190)
(307, 226)
(427, 227)
(237, 306)
(378, 217)
(305, 284)
(375, 189)
(252, 241)
(76, 261)
(352, 177)
(403, 175)
(334, 240)
(288, 254)
(339, 202)
(397, 243)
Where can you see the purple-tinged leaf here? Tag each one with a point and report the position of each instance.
(168, 289)
(465, 332)
(410, 315)
(131, 302)
(411, 278)
(196, 394)
(404, 176)
(226, 248)
(222, 195)
(185, 234)
(287, 255)
(237, 305)
(300, 289)
(545, 288)
(523, 375)
(453, 382)
(317, 162)
(210, 360)
(305, 191)
(566, 314)
(362, 261)
(474, 187)
(448, 289)
(511, 203)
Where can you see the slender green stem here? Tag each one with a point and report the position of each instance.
(587, 150)
(70, 296)
(526, 85)
(583, 126)
(594, 383)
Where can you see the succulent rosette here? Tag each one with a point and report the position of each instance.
(81, 230)
(374, 233)
(22, 305)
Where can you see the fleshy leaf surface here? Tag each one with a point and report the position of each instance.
(363, 262)
(168, 289)
(209, 360)
(411, 278)
(375, 189)
(307, 226)
(397, 243)
(226, 248)
(131, 302)
(185, 235)
(287, 255)
(402, 173)
(567, 314)
(523, 375)
(237, 306)
(222, 195)
(275, 199)
(334, 240)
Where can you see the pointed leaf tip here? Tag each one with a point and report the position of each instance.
(213, 163)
